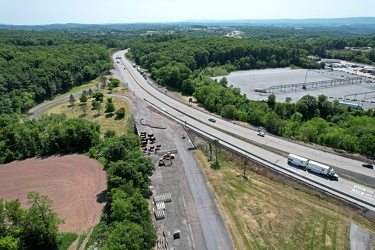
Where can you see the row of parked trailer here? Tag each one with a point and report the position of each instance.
(312, 166)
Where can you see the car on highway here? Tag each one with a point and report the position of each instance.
(367, 165)
(262, 134)
(211, 119)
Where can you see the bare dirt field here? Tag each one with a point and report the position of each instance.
(75, 183)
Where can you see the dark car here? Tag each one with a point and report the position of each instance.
(367, 165)
(211, 119)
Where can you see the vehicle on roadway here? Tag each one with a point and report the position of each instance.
(211, 119)
(319, 168)
(312, 166)
(262, 134)
(352, 105)
(297, 160)
(367, 165)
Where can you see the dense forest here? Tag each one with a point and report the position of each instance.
(36, 66)
(32, 228)
(39, 63)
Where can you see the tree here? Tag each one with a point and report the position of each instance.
(120, 113)
(109, 134)
(90, 93)
(307, 106)
(125, 235)
(84, 108)
(216, 144)
(99, 96)
(15, 214)
(224, 82)
(95, 104)
(367, 145)
(271, 100)
(98, 107)
(9, 243)
(291, 129)
(109, 107)
(115, 83)
(40, 227)
(229, 111)
(274, 123)
(110, 87)
(72, 100)
(33, 228)
(103, 80)
(83, 98)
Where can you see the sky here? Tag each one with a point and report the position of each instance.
(39, 12)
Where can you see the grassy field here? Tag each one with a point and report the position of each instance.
(267, 212)
(106, 121)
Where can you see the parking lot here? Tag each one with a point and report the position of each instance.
(339, 84)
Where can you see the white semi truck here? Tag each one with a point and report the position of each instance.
(319, 168)
(297, 160)
(313, 166)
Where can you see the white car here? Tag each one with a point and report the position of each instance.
(261, 134)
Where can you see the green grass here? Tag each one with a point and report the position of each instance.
(64, 240)
(92, 84)
(97, 230)
(82, 237)
(217, 71)
(120, 126)
(268, 212)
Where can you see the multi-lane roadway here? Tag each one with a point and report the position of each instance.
(224, 131)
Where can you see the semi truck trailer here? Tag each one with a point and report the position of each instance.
(312, 166)
(297, 160)
(319, 168)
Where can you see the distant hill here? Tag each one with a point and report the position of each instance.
(362, 23)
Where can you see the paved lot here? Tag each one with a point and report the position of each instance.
(248, 81)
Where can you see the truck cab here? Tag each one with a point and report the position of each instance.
(333, 175)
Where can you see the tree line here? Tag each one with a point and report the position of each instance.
(126, 222)
(32, 228)
(49, 135)
(181, 62)
(36, 66)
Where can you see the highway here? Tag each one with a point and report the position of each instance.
(197, 119)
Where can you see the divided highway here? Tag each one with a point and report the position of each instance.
(198, 120)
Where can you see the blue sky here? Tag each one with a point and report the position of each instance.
(32, 12)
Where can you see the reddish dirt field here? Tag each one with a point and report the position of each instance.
(75, 183)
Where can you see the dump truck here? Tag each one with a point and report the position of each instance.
(320, 168)
(297, 160)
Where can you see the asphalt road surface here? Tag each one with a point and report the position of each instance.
(198, 119)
